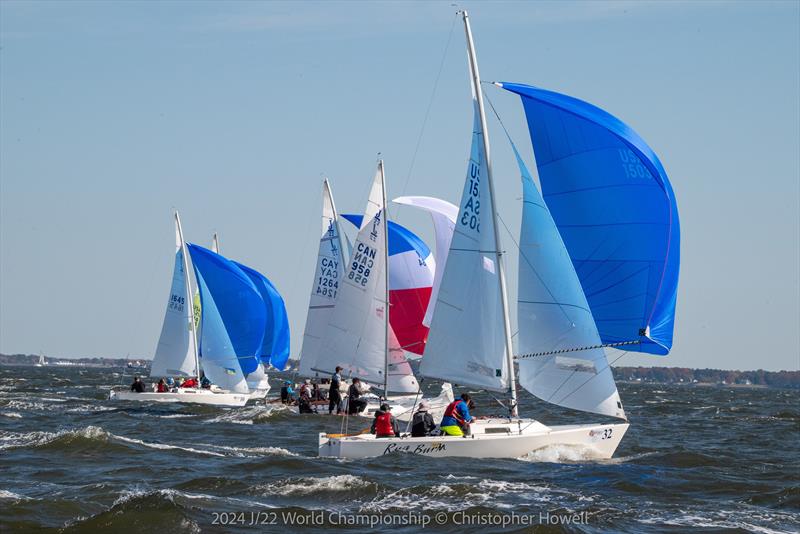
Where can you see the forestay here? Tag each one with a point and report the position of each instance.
(233, 322)
(466, 343)
(553, 314)
(325, 287)
(615, 210)
(175, 354)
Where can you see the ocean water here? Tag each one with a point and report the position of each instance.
(695, 458)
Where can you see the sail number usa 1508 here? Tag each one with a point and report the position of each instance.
(471, 210)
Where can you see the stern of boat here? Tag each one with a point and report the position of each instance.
(329, 446)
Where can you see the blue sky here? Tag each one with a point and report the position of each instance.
(113, 113)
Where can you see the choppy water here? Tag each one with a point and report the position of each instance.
(694, 458)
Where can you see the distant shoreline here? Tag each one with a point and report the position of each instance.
(624, 375)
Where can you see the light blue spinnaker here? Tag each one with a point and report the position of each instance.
(553, 315)
(233, 319)
(275, 345)
(615, 210)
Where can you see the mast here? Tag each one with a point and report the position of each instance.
(476, 86)
(215, 243)
(386, 283)
(190, 305)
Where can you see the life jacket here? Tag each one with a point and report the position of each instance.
(450, 411)
(383, 425)
(162, 388)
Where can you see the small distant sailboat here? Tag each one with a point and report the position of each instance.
(42, 362)
(598, 268)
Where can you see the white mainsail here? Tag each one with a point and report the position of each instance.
(467, 343)
(553, 315)
(356, 334)
(325, 288)
(444, 216)
(176, 354)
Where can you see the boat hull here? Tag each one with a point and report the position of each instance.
(490, 439)
(187, 395)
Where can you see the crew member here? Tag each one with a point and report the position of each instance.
(162, 386)
(138, 385)
(422, 424)
(355, 404)
(456, 418)
(287, 393)
(384, 425)
(334, 395)
(190, 382)
(304, 400)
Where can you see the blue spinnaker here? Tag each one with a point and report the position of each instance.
(233, 313)
(275, 345)
(615, 210)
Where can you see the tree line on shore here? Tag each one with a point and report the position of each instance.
(661, 375)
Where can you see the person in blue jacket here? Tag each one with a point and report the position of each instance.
(456, 418)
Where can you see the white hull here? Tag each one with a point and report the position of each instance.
(258, 394)
(184, 395)
(491, 438)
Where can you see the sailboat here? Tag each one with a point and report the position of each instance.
(41, 362)
(232, 329)
(598, 269)
(348, 321)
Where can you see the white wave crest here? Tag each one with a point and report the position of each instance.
(14, 440)
(315, 485)
(166, 446)
(248, 415)
(6, 495)
(560, 453)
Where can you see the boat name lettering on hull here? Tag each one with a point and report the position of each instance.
(421, 448)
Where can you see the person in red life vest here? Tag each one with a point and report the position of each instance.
(456, 418)
(162, 386)
(190, 382)
(384, 425)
